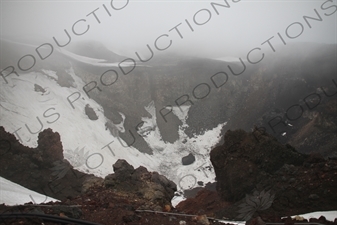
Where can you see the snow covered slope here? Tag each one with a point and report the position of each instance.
(75, 57)
(35, 101)
(14, 194)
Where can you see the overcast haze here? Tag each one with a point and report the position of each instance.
(236, 30)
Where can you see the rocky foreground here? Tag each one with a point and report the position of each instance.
(255, 170)
(258, 179)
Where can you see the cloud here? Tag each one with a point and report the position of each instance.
(203, 28)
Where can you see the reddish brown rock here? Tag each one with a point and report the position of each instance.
(246, 159)
(42, 169)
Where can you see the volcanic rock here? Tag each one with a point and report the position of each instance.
(90, 112)
(254, 171)
(157, 189)
(246, 159)
(42, 169)
(188, 160)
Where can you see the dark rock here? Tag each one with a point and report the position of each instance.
(91, 182)
(191, 193)
(131, 218)
(292, 180)
(289, 221)
(243, 167)
(243, 161)
(322, 219)
(110, 181)
(315, 158)
(71, 212)
(38, 88)
(313, 196)
(123, 170)
(160, 179)
(49, 146)
(188, 160)
(90, 112)
(154, 187)
(35, 168)
(255, 221)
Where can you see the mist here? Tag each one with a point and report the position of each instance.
(205, 29)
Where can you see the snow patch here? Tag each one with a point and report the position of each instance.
(14, 194)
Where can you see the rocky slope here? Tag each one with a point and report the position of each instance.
(256, 166)
(292, 94)
(44, 170)
(292, 182)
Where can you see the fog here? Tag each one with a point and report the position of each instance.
(199, 28)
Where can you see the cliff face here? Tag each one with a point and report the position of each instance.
(246, 159)
(156, 189)
(111, 200)
(283, 94)
(254, 168)
(291, 93)
(42, 169)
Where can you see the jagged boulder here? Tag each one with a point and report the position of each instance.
(258, 176)
(50, 147)
(42, 169)
(245, 159)
(188, 160)
(157, 189)
(90, 112)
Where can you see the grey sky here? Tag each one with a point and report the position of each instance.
(243, 26)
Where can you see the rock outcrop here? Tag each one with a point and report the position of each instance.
(246, 159)
(42, 169)
(155, 188)
(255, 166)
(45, 170)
